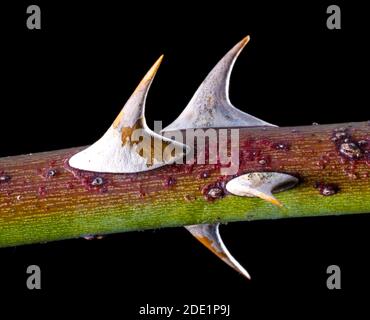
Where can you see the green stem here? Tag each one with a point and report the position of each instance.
(42, 199)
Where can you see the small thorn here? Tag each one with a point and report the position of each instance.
(209, 236)
(261, 184)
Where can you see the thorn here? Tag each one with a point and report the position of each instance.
(261, 184)
(209, 236)
(129, 145)
(210, 106)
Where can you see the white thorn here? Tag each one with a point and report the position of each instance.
(209, 236)
(210, 105)
(127, 146)
(262, 185)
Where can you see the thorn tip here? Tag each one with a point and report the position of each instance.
(152, 71)
(245, 40)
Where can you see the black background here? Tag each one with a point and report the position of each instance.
(63, 85)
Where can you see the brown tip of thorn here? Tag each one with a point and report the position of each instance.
(240, 45)
(276, 202)
(245, 40)
(153, 70)
(271, 199)
(141, 89)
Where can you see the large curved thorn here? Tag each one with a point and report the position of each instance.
(210, 105)
(129, 145)
(262, 185)
(209, 235)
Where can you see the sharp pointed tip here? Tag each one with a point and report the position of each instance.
(245, 40)
(153, 70)
(246, 275)
(274, 201)
(242, 43)
(159, 61)
(269, 198)
(139, 92)
(239, 268)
